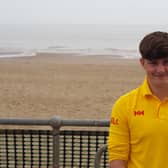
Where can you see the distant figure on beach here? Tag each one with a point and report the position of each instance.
(138, 134)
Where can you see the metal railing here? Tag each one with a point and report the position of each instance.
(52, 148)
(99, 154)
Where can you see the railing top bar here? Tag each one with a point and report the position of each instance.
(96, 123)
(23, 121)
(55, 122)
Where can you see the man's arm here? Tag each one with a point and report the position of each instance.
(118, 140)
(118, 164)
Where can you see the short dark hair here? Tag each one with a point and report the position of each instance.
(154, 45)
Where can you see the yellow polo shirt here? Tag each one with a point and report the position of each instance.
(139, 129)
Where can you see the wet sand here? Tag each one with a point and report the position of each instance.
(72, 87)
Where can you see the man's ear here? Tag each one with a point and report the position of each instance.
(141, 60)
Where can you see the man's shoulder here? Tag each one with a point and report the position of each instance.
(129, 97)
(132, 93)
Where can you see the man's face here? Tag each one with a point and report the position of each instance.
(156, 70)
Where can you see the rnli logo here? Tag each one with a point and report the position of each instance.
(139, 113)
(114, 121)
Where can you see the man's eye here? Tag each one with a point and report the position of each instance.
(166, 62)
(152, 63)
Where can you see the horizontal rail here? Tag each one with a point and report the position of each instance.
(96, 123)
(23, 121)
(55, 122)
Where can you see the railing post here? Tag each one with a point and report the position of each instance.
(55, 122)
(99, 155)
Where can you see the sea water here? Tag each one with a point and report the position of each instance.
(80, 39)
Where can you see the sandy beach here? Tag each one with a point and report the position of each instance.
(72, 87)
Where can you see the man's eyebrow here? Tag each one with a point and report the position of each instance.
(152, 60)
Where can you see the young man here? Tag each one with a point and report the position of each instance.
(138, 136)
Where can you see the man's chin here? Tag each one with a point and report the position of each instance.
(160, 82)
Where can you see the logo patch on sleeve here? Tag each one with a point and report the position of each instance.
(114, 121)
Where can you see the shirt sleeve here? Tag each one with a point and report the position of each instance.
(118, 140)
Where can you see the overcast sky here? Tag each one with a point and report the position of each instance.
(83, 11)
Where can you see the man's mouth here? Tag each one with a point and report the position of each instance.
(160, 76)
